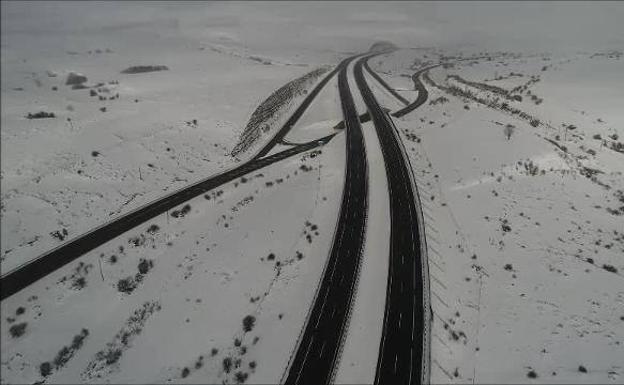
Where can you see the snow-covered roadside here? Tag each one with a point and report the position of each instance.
(248, 262)
(98, 159)
(521, 261)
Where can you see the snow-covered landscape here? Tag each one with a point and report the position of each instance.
(351, 192)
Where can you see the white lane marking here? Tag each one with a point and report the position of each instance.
(410, 364)
(304, 360)
(322, 348)
(322, 307)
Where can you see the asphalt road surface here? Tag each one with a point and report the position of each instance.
(314, 360)
(404, 348)
(423, 94)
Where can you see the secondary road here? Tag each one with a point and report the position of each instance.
(423, 94)
(404, 348)
(318, 347)
(30, 272)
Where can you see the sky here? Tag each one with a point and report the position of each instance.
(342, 26)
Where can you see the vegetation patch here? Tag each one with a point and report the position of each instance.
(64, 355)
(143, 69)
(40, 115)
(269, 111)
(105, 360)
(18, 330)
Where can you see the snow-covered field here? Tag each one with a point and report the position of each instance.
(523, 203)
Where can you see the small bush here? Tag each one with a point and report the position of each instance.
(582, 369)
(112, 356)
(532, 374)
(610, 268)
(227, 364)
(182, 212)
(20, 310)
(60, 235)
(185, 372)
(79, 283)
(508, 131)
(153, 229)
(18, 330)
(241, 377)
(126, 285)
(40, 115)
(248, 323)
(535, 122)
(145, 266)
(508, 267)
(45, 369)
(142, 69)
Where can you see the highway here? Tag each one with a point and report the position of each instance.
(404, 347)
(35, 269)
(314, 360)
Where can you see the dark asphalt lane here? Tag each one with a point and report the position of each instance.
(318, 347)
(423, 94)
(403, 351)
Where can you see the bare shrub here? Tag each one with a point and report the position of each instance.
(509, 130)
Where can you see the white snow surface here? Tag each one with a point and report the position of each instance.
(525, 240)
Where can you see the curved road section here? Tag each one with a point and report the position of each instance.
(404, 348)
(423, 94)
(318, 348)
